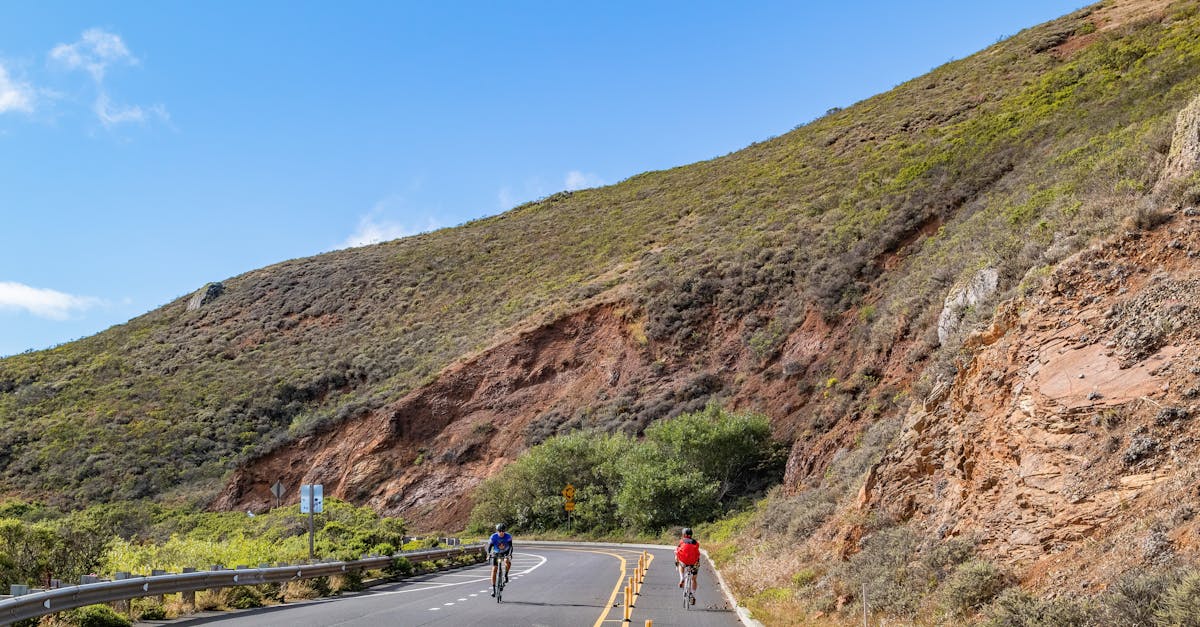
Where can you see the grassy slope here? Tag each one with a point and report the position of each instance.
(1015, 153)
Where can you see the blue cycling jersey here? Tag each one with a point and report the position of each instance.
(500, 542)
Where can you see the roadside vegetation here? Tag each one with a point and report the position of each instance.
(686, 470)
(39, 543)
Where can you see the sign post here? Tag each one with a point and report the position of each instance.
(277, 490)
(569, 501)
(312, 501)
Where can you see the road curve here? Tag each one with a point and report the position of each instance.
(550, 585)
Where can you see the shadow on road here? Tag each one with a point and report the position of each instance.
(214, 617)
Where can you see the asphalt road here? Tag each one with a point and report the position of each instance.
(557, 585)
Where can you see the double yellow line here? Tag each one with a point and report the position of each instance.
(621, 580)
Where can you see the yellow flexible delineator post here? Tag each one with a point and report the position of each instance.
(628, 604)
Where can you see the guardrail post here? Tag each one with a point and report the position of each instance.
(216, 592)
(155, 573)
(123, 605)
(188, 596)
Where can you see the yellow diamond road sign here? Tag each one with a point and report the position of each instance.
(569, 492)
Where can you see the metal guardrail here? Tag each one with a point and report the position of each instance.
(59, 599)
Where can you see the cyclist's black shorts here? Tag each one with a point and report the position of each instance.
(499, 555)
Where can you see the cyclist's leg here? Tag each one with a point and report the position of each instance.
(695, 576)
(495, 565)
(679, 568)
(507, 565)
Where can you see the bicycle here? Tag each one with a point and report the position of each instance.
(501, 576)
(689, 580)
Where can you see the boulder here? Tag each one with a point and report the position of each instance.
(205, 295)
(982, 285)
(1184, 157)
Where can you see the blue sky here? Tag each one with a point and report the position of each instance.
(147, 148)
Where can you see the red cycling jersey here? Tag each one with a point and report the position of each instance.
(688, 552)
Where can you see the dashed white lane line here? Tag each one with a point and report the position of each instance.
(431, 585)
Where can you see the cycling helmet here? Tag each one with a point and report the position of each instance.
(500, 527)
(687, 531)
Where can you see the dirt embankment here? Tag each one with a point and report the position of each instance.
(422, 455)
(1067, 444)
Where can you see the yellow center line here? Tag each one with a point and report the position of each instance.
(612, 598)
(616, 590)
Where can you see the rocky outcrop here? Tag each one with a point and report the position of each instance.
(205, 295)
(1072, 426)
(981, 286)
(1184, 157)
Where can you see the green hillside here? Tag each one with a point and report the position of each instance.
(1013, 157)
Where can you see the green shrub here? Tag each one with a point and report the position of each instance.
(894, 581)
(1181, 604)
(1136, 598)
(242, 598)
(152, 611)
(96, 616)
(972, 585)
(400, 566)
(1016, 608)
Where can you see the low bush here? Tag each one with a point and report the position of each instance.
(1017, 608)
(304, 589)
(242, 598)
(1181, 604)
(96, 616)
(1137, 597)
(971, 586)
(149, 610)
(350, 581)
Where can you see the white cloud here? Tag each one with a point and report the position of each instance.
(14, 96)
(581, 180)
(372, 230)
(111, 115)
(94, 52)
(42, 302)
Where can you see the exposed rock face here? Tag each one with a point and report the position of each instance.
(205, 295)
(982, 285)
(1074, 420)
(423, 455)
(1184, 158)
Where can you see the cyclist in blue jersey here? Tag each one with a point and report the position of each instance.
(500, 547)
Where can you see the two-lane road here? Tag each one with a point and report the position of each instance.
(550, 585)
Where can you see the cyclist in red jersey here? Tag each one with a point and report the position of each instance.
(687, 553)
